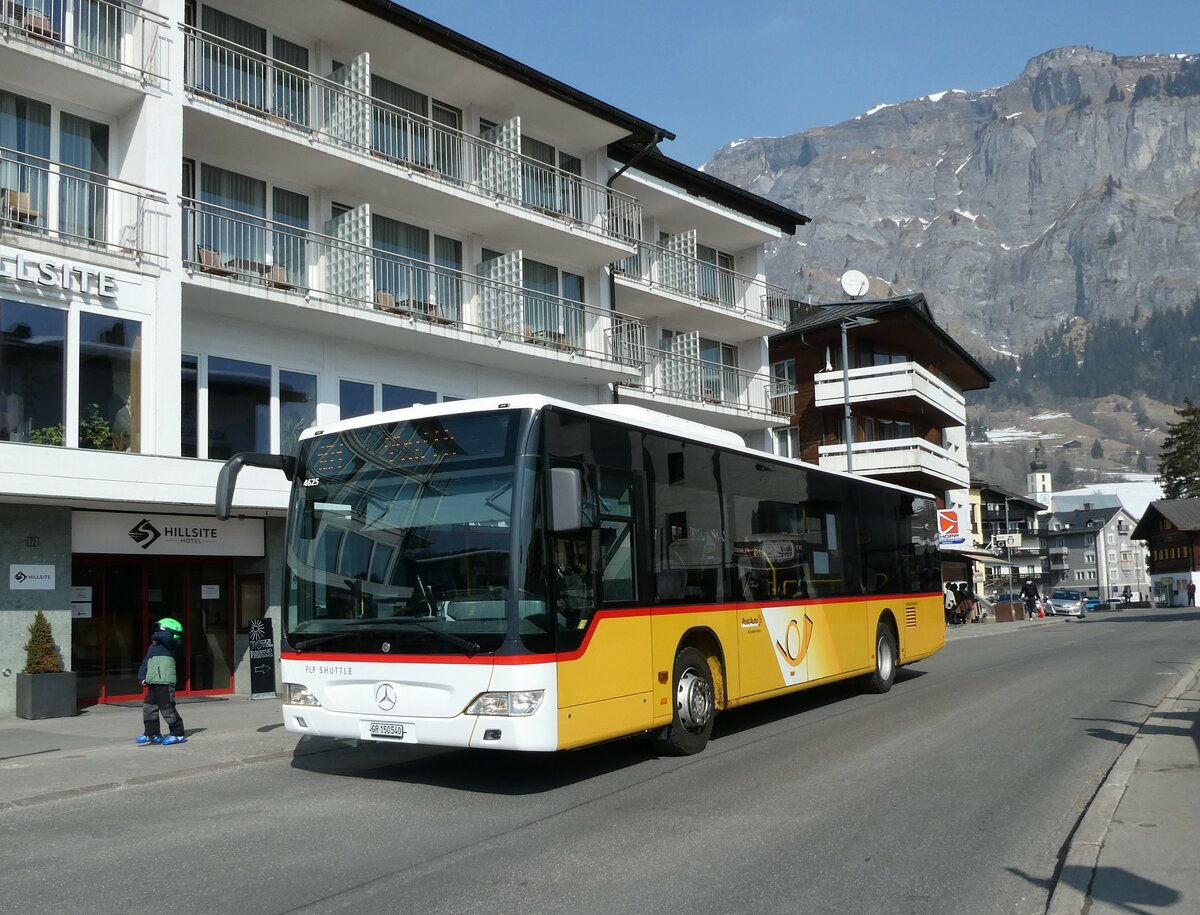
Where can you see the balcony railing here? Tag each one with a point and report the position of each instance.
(342, 118)
(690, 277)
(885, 382)
(706, 383)
(280, 256)
(107, 34)
(897, 456)
(78, 207)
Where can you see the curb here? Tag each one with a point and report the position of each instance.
(1087, 840)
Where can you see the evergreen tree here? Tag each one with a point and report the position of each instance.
(1097, 449)
(41, 654)
(1179, 459)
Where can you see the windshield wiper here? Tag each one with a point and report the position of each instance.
(450, 637)
(320, 640)
(352, 625)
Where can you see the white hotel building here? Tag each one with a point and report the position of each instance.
(222, 223)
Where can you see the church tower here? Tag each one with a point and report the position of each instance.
(1037, 481)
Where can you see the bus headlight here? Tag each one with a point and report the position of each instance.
(298, 694)
(517, 704)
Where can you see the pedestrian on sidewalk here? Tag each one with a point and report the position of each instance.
(158, 675)
(1191, 589)
(1029, 593)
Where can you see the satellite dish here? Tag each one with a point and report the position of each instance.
(855, 283)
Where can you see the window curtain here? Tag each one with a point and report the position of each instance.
(402, 265)
(447, 254)
(237, 235)
(229, 73)
(291, 224)
(290, 83)
(541, 311)
(82, 193)
(447, 144)
(538, 176)
(98, 30)
(24, 128)
(395, 135)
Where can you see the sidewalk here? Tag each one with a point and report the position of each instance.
(1134, 847)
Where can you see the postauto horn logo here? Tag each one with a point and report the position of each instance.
(144, 533)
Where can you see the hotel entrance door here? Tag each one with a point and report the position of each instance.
(127, 597)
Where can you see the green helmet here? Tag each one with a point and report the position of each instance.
(172, 624)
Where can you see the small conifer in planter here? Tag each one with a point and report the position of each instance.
(44, 689)
(41, 654)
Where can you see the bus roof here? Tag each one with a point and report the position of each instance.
(628, 414)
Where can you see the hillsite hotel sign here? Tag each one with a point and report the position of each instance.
(164, 535)
(44, 272)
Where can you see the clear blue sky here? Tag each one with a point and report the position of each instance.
(712, 71)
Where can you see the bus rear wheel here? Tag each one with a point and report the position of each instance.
(694, 705)
(885, 661)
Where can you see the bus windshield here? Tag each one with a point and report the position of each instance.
(399, 536)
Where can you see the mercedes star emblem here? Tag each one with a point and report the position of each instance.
(385, 696)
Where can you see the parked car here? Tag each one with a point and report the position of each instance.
(1067, 602)
(1093, 603)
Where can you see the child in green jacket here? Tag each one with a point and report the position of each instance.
(158, 675)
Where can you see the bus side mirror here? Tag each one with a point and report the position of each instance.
(227, 478)
(566, 494)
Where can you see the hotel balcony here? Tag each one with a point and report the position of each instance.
(906, 385)
(706, 392)
(278, 273)
(658, 282)
(323, 133)
(46, 201)
(911, 462)
(99, 53)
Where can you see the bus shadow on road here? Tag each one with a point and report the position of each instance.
(479, 771)
(511, 773)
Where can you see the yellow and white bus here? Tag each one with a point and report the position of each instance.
(523, 573)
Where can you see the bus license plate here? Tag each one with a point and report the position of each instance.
(385, 729)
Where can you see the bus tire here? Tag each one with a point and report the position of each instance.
(886, 654)
(694, 705)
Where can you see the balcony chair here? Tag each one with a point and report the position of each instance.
(210, 262)
(17, 208)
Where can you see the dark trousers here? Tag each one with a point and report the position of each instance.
(161, 698)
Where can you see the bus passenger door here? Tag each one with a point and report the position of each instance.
(603, 640)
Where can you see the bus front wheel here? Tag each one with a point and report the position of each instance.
(694, 705)
(885, 660)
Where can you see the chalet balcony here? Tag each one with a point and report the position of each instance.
(106, 37)
(286, 264)
(677, 283)
(904, 383)
(909, 461)
(706, 390)
(42, 198)
(453, 173)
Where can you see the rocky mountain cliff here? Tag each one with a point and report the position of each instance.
(1072, 192)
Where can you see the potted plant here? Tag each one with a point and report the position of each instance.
(44, 689)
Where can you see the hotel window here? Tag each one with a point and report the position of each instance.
(1089, 558)
(788, 442)
(297, 407)
(25, 145)
(552, 298)
(715, 279)
(355, 398)
(239, 407)
(545, 187)
(397, 397)
(32, 373)
(410, 276)
(110, 383)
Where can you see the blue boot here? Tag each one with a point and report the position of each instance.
(143, 739)
(171, 738)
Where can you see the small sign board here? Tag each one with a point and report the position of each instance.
(30, 577)
(262, 659)
(949, 527)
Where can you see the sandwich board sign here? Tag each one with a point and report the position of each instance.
(950, 532)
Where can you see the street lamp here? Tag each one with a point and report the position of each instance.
(847, 323)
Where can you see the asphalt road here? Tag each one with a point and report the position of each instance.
(954, 793)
